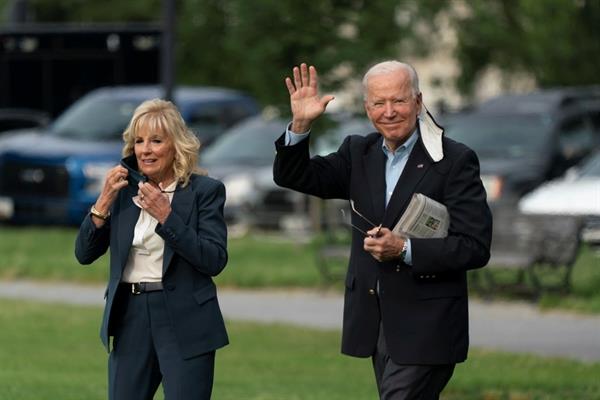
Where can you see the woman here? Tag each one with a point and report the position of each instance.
(165, 229)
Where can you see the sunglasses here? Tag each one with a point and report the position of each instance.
(354, 210)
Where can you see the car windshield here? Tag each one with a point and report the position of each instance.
(500, 136)
(251, 143)
(95, 119)
(591, 168)
(333, 137)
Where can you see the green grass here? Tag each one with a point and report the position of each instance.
(53, 352)
(255, 261)
(47, 254)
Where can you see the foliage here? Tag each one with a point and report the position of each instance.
(55, 353)
(252, 45)
(555, 41)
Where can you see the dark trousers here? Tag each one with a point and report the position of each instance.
(145, 352)
(407, 382)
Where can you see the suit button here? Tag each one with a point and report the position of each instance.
(371, 291)
(398, 268)
(170, 287)
(433, 276)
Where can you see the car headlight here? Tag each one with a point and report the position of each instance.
(95, 174)
(493, 185)
(239, 190)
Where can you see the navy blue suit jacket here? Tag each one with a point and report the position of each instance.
(195, 238)
(423, 308)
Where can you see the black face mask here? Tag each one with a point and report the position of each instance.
(134, 177)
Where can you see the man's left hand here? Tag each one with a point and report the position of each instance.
(383, 244)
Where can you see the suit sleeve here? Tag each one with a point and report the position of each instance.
(325, 177)
(469, 236)
(91, 242)
(202, 243)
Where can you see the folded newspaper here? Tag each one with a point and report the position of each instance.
(423, 218)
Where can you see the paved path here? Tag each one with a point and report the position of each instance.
(512, 327)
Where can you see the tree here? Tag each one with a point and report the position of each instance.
(252, 45)
(555, 41)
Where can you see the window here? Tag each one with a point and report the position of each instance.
(576, 137)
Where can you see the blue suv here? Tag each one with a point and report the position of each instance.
(52, 176)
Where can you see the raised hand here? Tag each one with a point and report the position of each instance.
(304, 97)
(116, 179)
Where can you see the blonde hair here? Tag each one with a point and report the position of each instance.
(162, 115)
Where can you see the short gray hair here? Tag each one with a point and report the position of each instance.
(386, 67)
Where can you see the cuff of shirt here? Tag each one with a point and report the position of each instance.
(408, 256)
(292, 138)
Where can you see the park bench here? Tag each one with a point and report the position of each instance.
(540, 250)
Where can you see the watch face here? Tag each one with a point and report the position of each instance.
(404, 250)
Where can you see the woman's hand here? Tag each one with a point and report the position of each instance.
(154, 201)
(116, 179)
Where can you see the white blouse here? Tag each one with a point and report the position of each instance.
(145, 260)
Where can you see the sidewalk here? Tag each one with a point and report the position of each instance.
(514, 327)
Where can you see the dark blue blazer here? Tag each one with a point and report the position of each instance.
(195, 238)
(423, 308)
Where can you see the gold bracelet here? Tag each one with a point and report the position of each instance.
(98, 214)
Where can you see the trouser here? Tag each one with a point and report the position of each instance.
(145, 353)
(407, 382)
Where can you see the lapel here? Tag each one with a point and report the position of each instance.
(128, 216)
(183, 200)
(416, 166)
(374, 167)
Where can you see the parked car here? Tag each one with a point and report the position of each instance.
(575, 193)
(22, 118)
(53, 175)
(525, 140)
(243, 159)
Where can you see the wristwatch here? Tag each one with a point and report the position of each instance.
(98, 214)
(404, 250)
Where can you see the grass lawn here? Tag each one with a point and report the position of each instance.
(48, 254)
(53, 352)
(254, 261)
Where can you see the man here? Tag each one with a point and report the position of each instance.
(406, 299)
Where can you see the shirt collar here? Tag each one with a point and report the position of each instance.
(406, 146)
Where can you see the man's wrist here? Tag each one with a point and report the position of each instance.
(300, 127)
(403, 249)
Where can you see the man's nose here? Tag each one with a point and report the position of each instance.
(389, 109)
